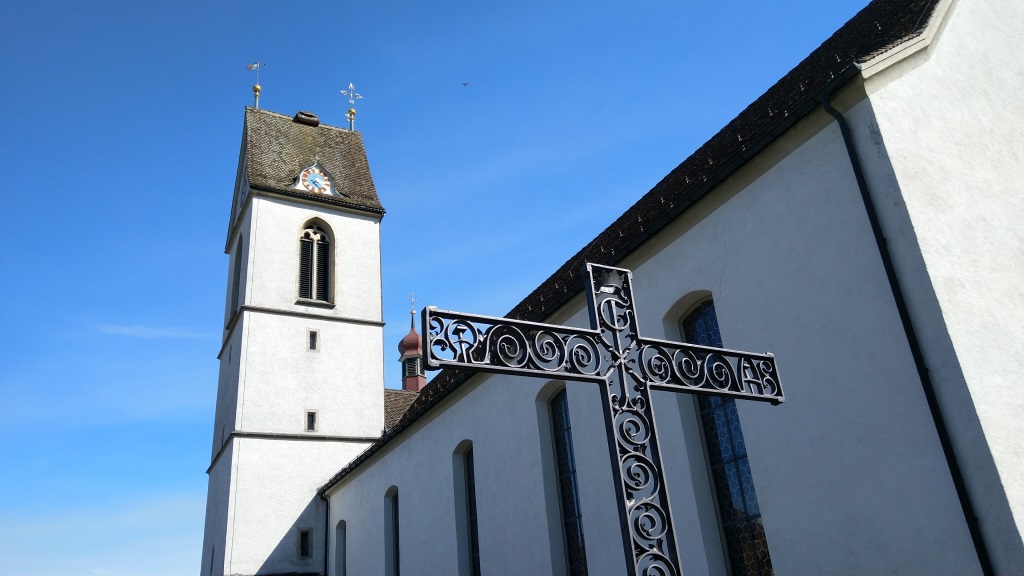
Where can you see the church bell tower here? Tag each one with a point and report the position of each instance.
(301, 385)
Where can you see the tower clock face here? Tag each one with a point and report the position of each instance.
(314, 180)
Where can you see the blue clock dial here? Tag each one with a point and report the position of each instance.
(314, 180)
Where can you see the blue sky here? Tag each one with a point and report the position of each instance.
(120, 131)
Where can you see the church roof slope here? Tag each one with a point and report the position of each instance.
(879, 27)
(277, 148)
(396, 402)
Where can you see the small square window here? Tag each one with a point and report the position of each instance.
(304, 544)
(313, 339)
(310, 421)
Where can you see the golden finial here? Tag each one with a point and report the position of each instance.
(352, 97)
(256, 95)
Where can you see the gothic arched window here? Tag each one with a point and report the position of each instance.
(740, 515)
(315, 264)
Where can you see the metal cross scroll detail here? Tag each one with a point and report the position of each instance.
(630, 367)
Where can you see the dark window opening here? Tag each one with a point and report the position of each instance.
(236, 277)
(314, 264)
(391, 537)
(304, 544)
(310, 421)
(745, 540)
(474, 539)
(568, 487)
(313, 334)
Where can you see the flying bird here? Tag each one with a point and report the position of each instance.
(464, 84)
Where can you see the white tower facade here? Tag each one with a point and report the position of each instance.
(300, 391)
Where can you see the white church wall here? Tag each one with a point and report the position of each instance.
(343, 381)
(849, 463)
(950, 119)
(236, 285)
(280, 500)
(356, 249)
(500, 418)
(849, 472)
(227, 388)
(216, 534)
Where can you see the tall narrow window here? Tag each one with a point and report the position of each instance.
(740, 515)
(391, 555)
(474, 539)
(236, 277)
(304, 544)
(568, 487)
(340, 551)
(314, 264)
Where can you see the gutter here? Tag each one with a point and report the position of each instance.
(955, 472)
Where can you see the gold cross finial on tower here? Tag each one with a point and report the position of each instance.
(352, 97)
(412, 307)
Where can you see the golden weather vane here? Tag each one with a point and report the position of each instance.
(256, 87)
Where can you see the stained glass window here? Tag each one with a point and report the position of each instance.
(745, 539)
(568, 487)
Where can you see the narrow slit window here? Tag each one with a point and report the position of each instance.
(311, 421)
(392, 560)
(314, 340)
(568, 487)
(304, 544)
(470, 563)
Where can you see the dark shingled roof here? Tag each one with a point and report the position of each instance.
(880, 26)
(396, 402)
(278, 148)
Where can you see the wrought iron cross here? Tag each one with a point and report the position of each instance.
(630, 367)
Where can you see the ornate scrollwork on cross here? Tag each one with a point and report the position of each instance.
(630, 367)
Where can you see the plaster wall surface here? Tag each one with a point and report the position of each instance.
(273, 258)
(849, 471)
(343, 381)
(217, 534)
(501, 422)
(274, 497)
(951, 122)
(235, 291)
(225, 419)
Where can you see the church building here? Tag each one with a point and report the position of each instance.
(860, 220)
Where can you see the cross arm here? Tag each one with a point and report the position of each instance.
(490, 344)
(697, 369)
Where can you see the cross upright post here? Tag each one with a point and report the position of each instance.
(614, 354)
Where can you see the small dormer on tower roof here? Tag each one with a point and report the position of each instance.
(410, 351)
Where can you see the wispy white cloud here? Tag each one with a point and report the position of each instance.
(148, 535)
(151, 332)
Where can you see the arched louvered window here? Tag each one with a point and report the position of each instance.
(738, 511)
(315, 264)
